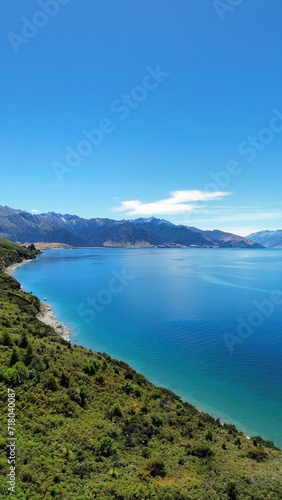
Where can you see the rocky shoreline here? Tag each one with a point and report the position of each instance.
(46, 314)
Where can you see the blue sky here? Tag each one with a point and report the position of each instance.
(121, 109)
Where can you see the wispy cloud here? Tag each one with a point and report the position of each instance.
(179, 202)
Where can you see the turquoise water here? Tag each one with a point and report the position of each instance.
(174, 315)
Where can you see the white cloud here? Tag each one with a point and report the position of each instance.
(35, 211)
(179, 202)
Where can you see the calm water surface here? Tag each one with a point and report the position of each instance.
(205, 323)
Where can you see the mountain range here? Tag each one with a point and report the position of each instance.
(24, 227)
(271, 239)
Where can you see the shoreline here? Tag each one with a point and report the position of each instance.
(11, 269)
(47, 316)
(46, 313)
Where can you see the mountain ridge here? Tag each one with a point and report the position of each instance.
(21, 226)
(268, 238)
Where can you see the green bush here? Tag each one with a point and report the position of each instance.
(106, 447)
(209, 436)
(91, 368)
(155, 394)
(237, 442)
(155, 468)
(6, 339)
(232, 492)
(51, 383)
(157, 421)
(130, 388)
(257, 454)
(15, 356)
(23, 340)
(116, 410)
(17, 375)
(200, 452)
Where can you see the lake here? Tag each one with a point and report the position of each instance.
(205, 323)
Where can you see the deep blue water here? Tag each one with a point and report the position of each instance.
(173, 314)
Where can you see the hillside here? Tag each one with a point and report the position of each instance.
(271, 239)
(11, 253)
(89, 426)
(20, 226)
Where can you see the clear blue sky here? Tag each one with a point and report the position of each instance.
(175, 90)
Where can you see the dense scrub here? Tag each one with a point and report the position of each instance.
(10, 253)
(88, 426)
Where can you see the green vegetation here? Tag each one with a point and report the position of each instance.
(10, 253)
(88, 426)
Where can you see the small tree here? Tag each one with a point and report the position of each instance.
(64, 380)
(105, 447)
(91, 368)
(23, 340)
(6, 339)
(17, 375)
(51, 383)
(82, 394)
(14, 357)
(28, 357)
(116, 410)
(209, 436)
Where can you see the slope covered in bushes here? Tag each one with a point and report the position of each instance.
(10, 253)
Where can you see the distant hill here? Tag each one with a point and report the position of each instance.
(268, 238)
(20, 226)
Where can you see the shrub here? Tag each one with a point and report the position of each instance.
(91, 368)
(14, 356)
(200, 452)
(156, 394)
(231, 491)
(23, 340)
(28, 357)
(105, 447)
(131, 389)
(237, 442)
(157, 421)
(209, 436)
(82, 394)
(6, 339)
(257, 454)
(17, 375)
(64, 380)
(51, 383)
(116, 410)
(155, 468)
